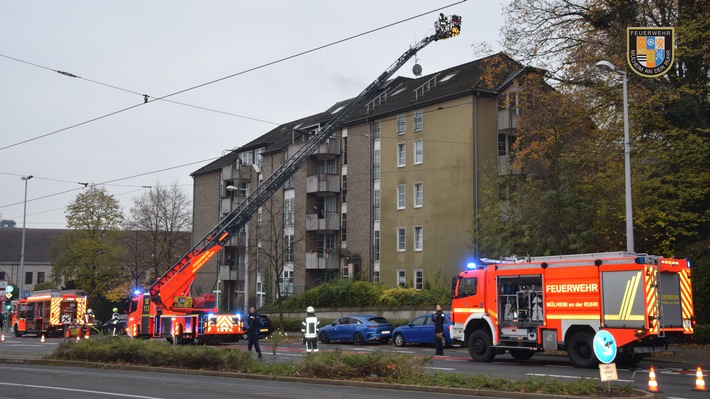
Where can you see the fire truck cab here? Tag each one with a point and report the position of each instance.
(559, 302)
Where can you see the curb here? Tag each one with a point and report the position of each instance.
(363, 384)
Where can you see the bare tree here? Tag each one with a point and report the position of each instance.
(163, 215)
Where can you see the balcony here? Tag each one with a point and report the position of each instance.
(331, 147)
(507, 119)
(322, 261)
(236, 172)
(323, 183)
(228, 273)
(330, 221)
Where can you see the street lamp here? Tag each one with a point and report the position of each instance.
(21, 277)
(608, 67)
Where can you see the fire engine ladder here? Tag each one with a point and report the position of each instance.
(236, 219)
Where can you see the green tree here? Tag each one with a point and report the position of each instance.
(87, 256)
(669, 116)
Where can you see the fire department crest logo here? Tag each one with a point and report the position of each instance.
(650, 50)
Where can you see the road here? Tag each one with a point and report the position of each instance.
(675, 379)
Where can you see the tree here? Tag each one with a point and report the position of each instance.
(159, 220)
(87, 256)
(669, 116)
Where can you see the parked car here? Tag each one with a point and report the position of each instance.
(420, 331)
(266, 327)
(357, 329)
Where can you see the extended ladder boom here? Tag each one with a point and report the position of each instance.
(177, 280)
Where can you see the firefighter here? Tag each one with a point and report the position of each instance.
(253, 330)
(438, 319)
(310, 330)
(88, 321)
(114, 321)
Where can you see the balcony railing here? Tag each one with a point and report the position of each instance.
(329, 221)
(323, 183)
(322, 260)
(236, 172)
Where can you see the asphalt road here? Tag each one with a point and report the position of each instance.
(675, 379)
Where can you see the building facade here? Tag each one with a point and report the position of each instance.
(392, 197)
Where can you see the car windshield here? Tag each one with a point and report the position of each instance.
(378, 320)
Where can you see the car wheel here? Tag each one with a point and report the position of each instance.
(580, 350)
(358, 339)
(323, 336)
(399, 340)
(480, 347)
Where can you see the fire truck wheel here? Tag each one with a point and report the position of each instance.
(521, 354)
(480, 347)
(580, 350)
(16, 329)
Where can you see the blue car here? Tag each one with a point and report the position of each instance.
(357, 329)
(420, 331)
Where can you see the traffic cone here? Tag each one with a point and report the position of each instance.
(652, 384)
(78, 336)
(41, 340)
(2, 339)
(699, 381)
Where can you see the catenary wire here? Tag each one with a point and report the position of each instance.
(225, 77)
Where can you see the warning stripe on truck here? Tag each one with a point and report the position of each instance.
(686, 298)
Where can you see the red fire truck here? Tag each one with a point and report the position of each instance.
(48, 312)
(168, 309)
(559, 302)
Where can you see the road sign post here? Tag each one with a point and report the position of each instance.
(605, 350)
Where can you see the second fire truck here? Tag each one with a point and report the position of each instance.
(559, 302)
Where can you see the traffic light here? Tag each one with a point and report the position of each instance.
(8, 305)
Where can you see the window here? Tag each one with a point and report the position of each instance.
(288, 248)
(401, 154)
(418, 195)
(418, 120)
(418, 238)
(344, 150)
(418, 151)
(447, 77)
(401, 196)
(401, 239)
(467, 287)
(40, 277)
(505, 144)
(376, 168)
(376, 245)
(344, 227)
(376, 277)
(376, 131)
(376, 204)
(401, 278)
(418, 279)
(344, 189)
(401, 124)
(2, 276)
(28, 278)
(286, 283)
(289, 211)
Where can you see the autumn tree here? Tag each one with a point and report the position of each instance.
(157, 233)
(669, 116)
(86, 257)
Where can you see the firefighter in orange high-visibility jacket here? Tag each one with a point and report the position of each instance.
(310, 330)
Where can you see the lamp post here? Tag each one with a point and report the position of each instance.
(21, 276)
(606, 66)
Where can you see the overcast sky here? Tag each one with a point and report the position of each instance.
(162, 47)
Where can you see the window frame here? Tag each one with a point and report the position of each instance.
(401, 278)
(418, 280)
(401, 196)
(418, 239)
(401, 155)
(418, 120)
(401, 124)
(418, 200)
(401, 239)
(418, 157)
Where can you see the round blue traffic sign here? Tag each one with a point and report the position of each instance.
(604, 346)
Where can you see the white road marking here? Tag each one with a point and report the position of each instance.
(79, 390)
(569, 376)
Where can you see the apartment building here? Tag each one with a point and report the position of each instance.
(391, 198)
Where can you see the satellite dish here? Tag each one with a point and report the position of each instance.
(417, 69)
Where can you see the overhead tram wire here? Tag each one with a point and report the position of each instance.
(149, 99)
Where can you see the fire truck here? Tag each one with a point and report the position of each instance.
(48, 312)
(560, 302)
(168, 308)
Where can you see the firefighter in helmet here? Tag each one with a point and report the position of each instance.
(114, 322)
(310, 330)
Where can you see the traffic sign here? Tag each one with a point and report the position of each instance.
(9, 288)
(8, 295)
(604, 346)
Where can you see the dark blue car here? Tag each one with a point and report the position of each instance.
(357, 329)
(420, 331)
